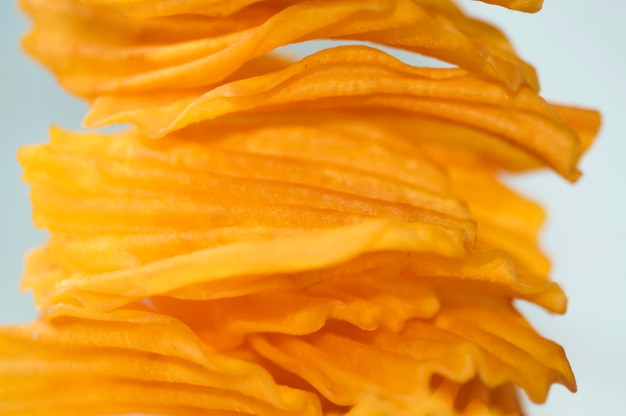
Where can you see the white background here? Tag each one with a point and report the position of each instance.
(578, 49)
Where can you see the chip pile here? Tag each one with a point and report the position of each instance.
(324, 236)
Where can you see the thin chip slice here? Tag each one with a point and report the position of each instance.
(129, 56)
(110, 359)
(363, 77)
(404, 363)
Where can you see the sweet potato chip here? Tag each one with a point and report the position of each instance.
(450, 346)
(115, 362)
(363, 77)
(127, 56)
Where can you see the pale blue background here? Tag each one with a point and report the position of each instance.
(578, 47)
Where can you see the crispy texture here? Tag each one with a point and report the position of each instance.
(325, 236)
(118, 362)
(363, 77)
(96, 51)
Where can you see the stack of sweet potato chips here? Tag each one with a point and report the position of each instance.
(324, 236)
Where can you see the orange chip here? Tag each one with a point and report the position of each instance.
(363, 77)
(96, 51)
